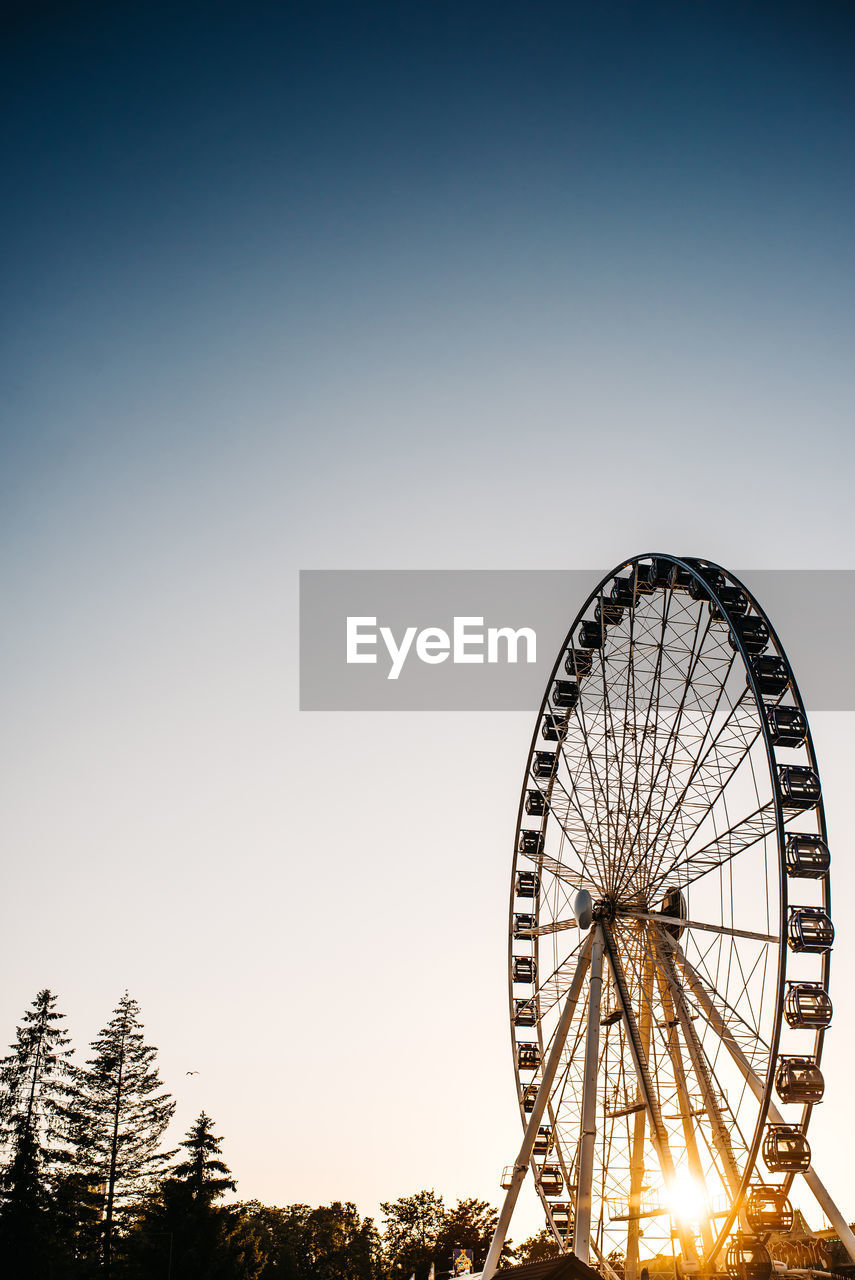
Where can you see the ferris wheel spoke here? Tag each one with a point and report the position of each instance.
(573, 879)
(559, 926)
(554, 926)
(569, 809)
(718, 1011)
(633, 809)
(697, 924)
(677, 739)
(654, 689)
(620, 753)
(608, 727)
(598, 844)
(711, 775)
(551, 988)
(696, 654)
(563, 813)
(737, 988)
(628, 848)
(742, 835)
(628, 685)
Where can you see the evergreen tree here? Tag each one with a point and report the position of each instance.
(122, 1114)
(204, 1239)
(35, 1088)
(203, 1171)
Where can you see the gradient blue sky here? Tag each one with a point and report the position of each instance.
(374, 285)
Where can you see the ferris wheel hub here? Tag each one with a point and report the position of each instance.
(583, 909)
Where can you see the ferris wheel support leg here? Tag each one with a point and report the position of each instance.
(658, 1132)
(582, 1229)
(684, 1102)
(720, 1132)
(820, 1192)
(636, 1159)
(549, 1073)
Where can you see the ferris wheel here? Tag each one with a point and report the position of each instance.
(670, 931)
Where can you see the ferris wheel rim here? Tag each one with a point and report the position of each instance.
(693, 567)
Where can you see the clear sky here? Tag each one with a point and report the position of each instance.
(404, 285)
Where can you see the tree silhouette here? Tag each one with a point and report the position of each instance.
(204, 1239)
(35, 1089)
(538, 1247)
(469, 1225)
(411, 1229)
(122, 1112)
(331, 1242)
(203, 1172)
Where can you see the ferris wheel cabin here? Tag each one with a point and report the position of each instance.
(799, 1080)
(528, 884)
(748, 1259)
(524, 922)
(768, 1209)
(543, 1141)
(807, 1006)
(798, 786)
(531, 843)
(535, 804)
(543, 765)
(554, 727)
(752, 631)
(579, 662)
(551, 1180)
(771, 673)
(787, 726)
(786, 1149)
(524, 969)
(528, 1055)
(809, 929)
(525, 1013)
(565, 693)
(807, 856)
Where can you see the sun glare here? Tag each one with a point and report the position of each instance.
(686, 1198)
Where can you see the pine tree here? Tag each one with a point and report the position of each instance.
(122, 1114)
(35, 1089)
(207, 1240)
(203, 1171)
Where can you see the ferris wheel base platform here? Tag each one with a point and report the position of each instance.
(565, 1267)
